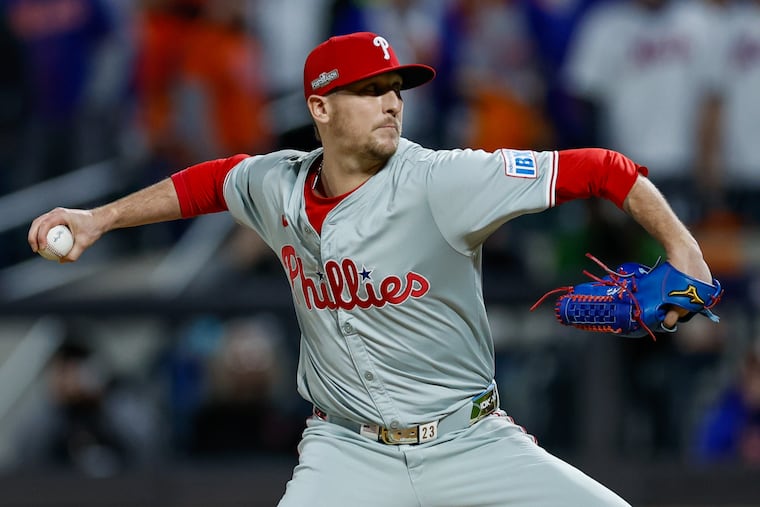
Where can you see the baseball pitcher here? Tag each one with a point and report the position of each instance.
(380, 239)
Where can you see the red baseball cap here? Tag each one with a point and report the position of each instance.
(346, 59)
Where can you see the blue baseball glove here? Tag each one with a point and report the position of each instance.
(633, 300)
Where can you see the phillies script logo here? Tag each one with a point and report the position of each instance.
(344, 286)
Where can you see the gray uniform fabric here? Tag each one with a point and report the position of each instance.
(394, 327)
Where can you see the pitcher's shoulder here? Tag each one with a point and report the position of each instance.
(412, 155)
(287, 165)
(285, 159)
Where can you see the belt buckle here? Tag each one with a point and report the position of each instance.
(398, 437)
(414, 435)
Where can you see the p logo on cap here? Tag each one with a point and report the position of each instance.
(380, 42)
(346, 59)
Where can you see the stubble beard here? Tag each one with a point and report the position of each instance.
(380, 145)
(383, 149)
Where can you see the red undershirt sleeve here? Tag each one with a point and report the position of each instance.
(596, 172)
(200, 188)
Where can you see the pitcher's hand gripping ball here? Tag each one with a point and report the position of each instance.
(59, 243)
(633, 299)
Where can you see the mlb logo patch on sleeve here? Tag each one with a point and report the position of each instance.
(521, 163)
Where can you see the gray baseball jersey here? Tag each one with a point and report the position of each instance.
(394, 328)
(389, 300)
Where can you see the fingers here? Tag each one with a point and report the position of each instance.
(37, 236)
(74, 254)
(38, 230)
(670, 322)
(672, 316)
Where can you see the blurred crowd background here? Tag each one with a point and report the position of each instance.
(177, 341)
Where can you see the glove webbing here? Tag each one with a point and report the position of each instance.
(625, 281)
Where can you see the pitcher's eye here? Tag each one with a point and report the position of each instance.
(377, 90)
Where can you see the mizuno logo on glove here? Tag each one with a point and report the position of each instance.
(691, 293)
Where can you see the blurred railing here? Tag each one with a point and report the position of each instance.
(260, 483)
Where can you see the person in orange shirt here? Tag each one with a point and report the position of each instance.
(201, 50)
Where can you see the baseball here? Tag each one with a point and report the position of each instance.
(59, 243)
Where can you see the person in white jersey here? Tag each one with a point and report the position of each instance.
(735, 177)
(645, 68)
(380, 239)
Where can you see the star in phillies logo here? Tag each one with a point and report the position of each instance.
(343, 285)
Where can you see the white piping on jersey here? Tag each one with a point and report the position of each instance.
(319, 173)
(552, 187)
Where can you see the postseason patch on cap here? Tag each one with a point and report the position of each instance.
(521, 163)
(324, 79)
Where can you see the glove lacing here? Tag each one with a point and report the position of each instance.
(625, 281)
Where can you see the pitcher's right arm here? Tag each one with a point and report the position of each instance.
(193, 191)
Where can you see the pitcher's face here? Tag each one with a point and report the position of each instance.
(366, 116)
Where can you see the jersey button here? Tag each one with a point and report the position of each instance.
(348, 328)
(394, 425)
(369, 376)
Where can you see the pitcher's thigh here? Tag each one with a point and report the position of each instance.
(346, 470)
(497, 464)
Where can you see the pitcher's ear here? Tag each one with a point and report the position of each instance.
(318, 107)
